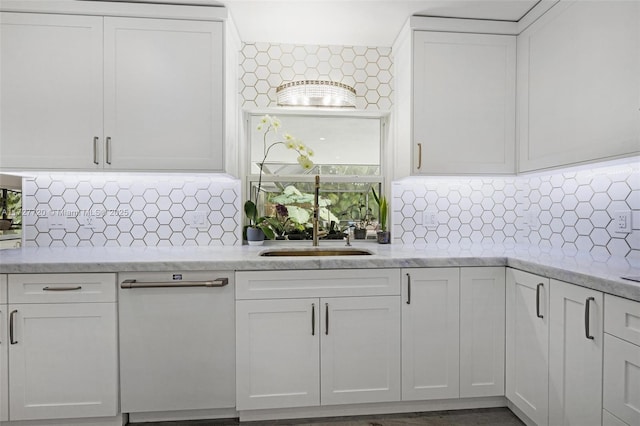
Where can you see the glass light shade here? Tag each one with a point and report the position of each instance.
(319, 93)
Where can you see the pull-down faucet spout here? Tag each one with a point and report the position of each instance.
(316, 211)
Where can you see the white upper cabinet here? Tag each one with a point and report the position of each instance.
(463, 103)
(579, 84)
(92, 92)
(51, 90)
(163, 94)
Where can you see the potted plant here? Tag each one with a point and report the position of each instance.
(259, 227)
(384, 236)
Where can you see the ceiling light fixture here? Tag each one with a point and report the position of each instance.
(317, 93)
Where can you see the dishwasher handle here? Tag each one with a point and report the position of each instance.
(219, 282)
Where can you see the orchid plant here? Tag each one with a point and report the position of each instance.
(271, 126)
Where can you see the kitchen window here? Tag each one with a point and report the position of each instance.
(347, 154)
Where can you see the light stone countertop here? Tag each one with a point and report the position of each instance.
(601, 273)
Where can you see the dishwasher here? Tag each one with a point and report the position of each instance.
(177, 341)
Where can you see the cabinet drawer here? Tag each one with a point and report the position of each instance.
(622, 318)
(3, 289)
(621, 386)
(62, 288)
(327, 283)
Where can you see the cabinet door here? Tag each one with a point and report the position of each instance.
(578, 85)
(622, 379)
(277, 353)
(463, 103)
(64, 361)
(575, 355)
(51, 90)
(430, 333)
(163, 94)
(527, 340)
(360, 355)
(4, 366)
(482, 328)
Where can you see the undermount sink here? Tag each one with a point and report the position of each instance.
(316, 252)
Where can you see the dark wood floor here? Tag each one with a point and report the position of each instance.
(486, 416)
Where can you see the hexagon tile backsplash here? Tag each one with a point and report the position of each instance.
(265, 66)
(131, 210)
(571, 209)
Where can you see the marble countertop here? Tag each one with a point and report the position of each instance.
(600, 273)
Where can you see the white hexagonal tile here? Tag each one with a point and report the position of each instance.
(600, 183)
(618, 247)
(151, 224)
(600, 201)
(584, 210)
(408, 224)
(619, 191)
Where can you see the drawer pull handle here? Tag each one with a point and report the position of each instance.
(62, 288)
(326, 319)
(95, 150)
(219, 282)
(11, 326)
(587, 316)
(108, 149)
(408, 289)
(313, 319)
(538, 300)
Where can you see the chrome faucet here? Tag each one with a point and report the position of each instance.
(316, 211)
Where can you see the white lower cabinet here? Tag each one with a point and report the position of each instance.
(4, 352)
(310, 351)
(621, 389)
(622, 379)
(360, 350)
(63, 360)
(430, 333)
(277, 353)
(527, 344)
(482, 331)
(575, 355)
(323, 351)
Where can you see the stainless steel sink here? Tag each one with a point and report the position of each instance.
(316, 252)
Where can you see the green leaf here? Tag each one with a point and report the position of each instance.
(298, 214)
(268, 232)
(251, 211)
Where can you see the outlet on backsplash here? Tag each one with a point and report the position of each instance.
(56, 221)
(430, 219)
(622, 219)
(197, 219)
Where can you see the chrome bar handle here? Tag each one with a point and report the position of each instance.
(326, 319)
(408, 289)
(108, 150)
(11, 326)
(587, 316)
(313, 319)
(96, 159)
(62, 288)
(419, 156)
(538, 300)
(219, 282)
